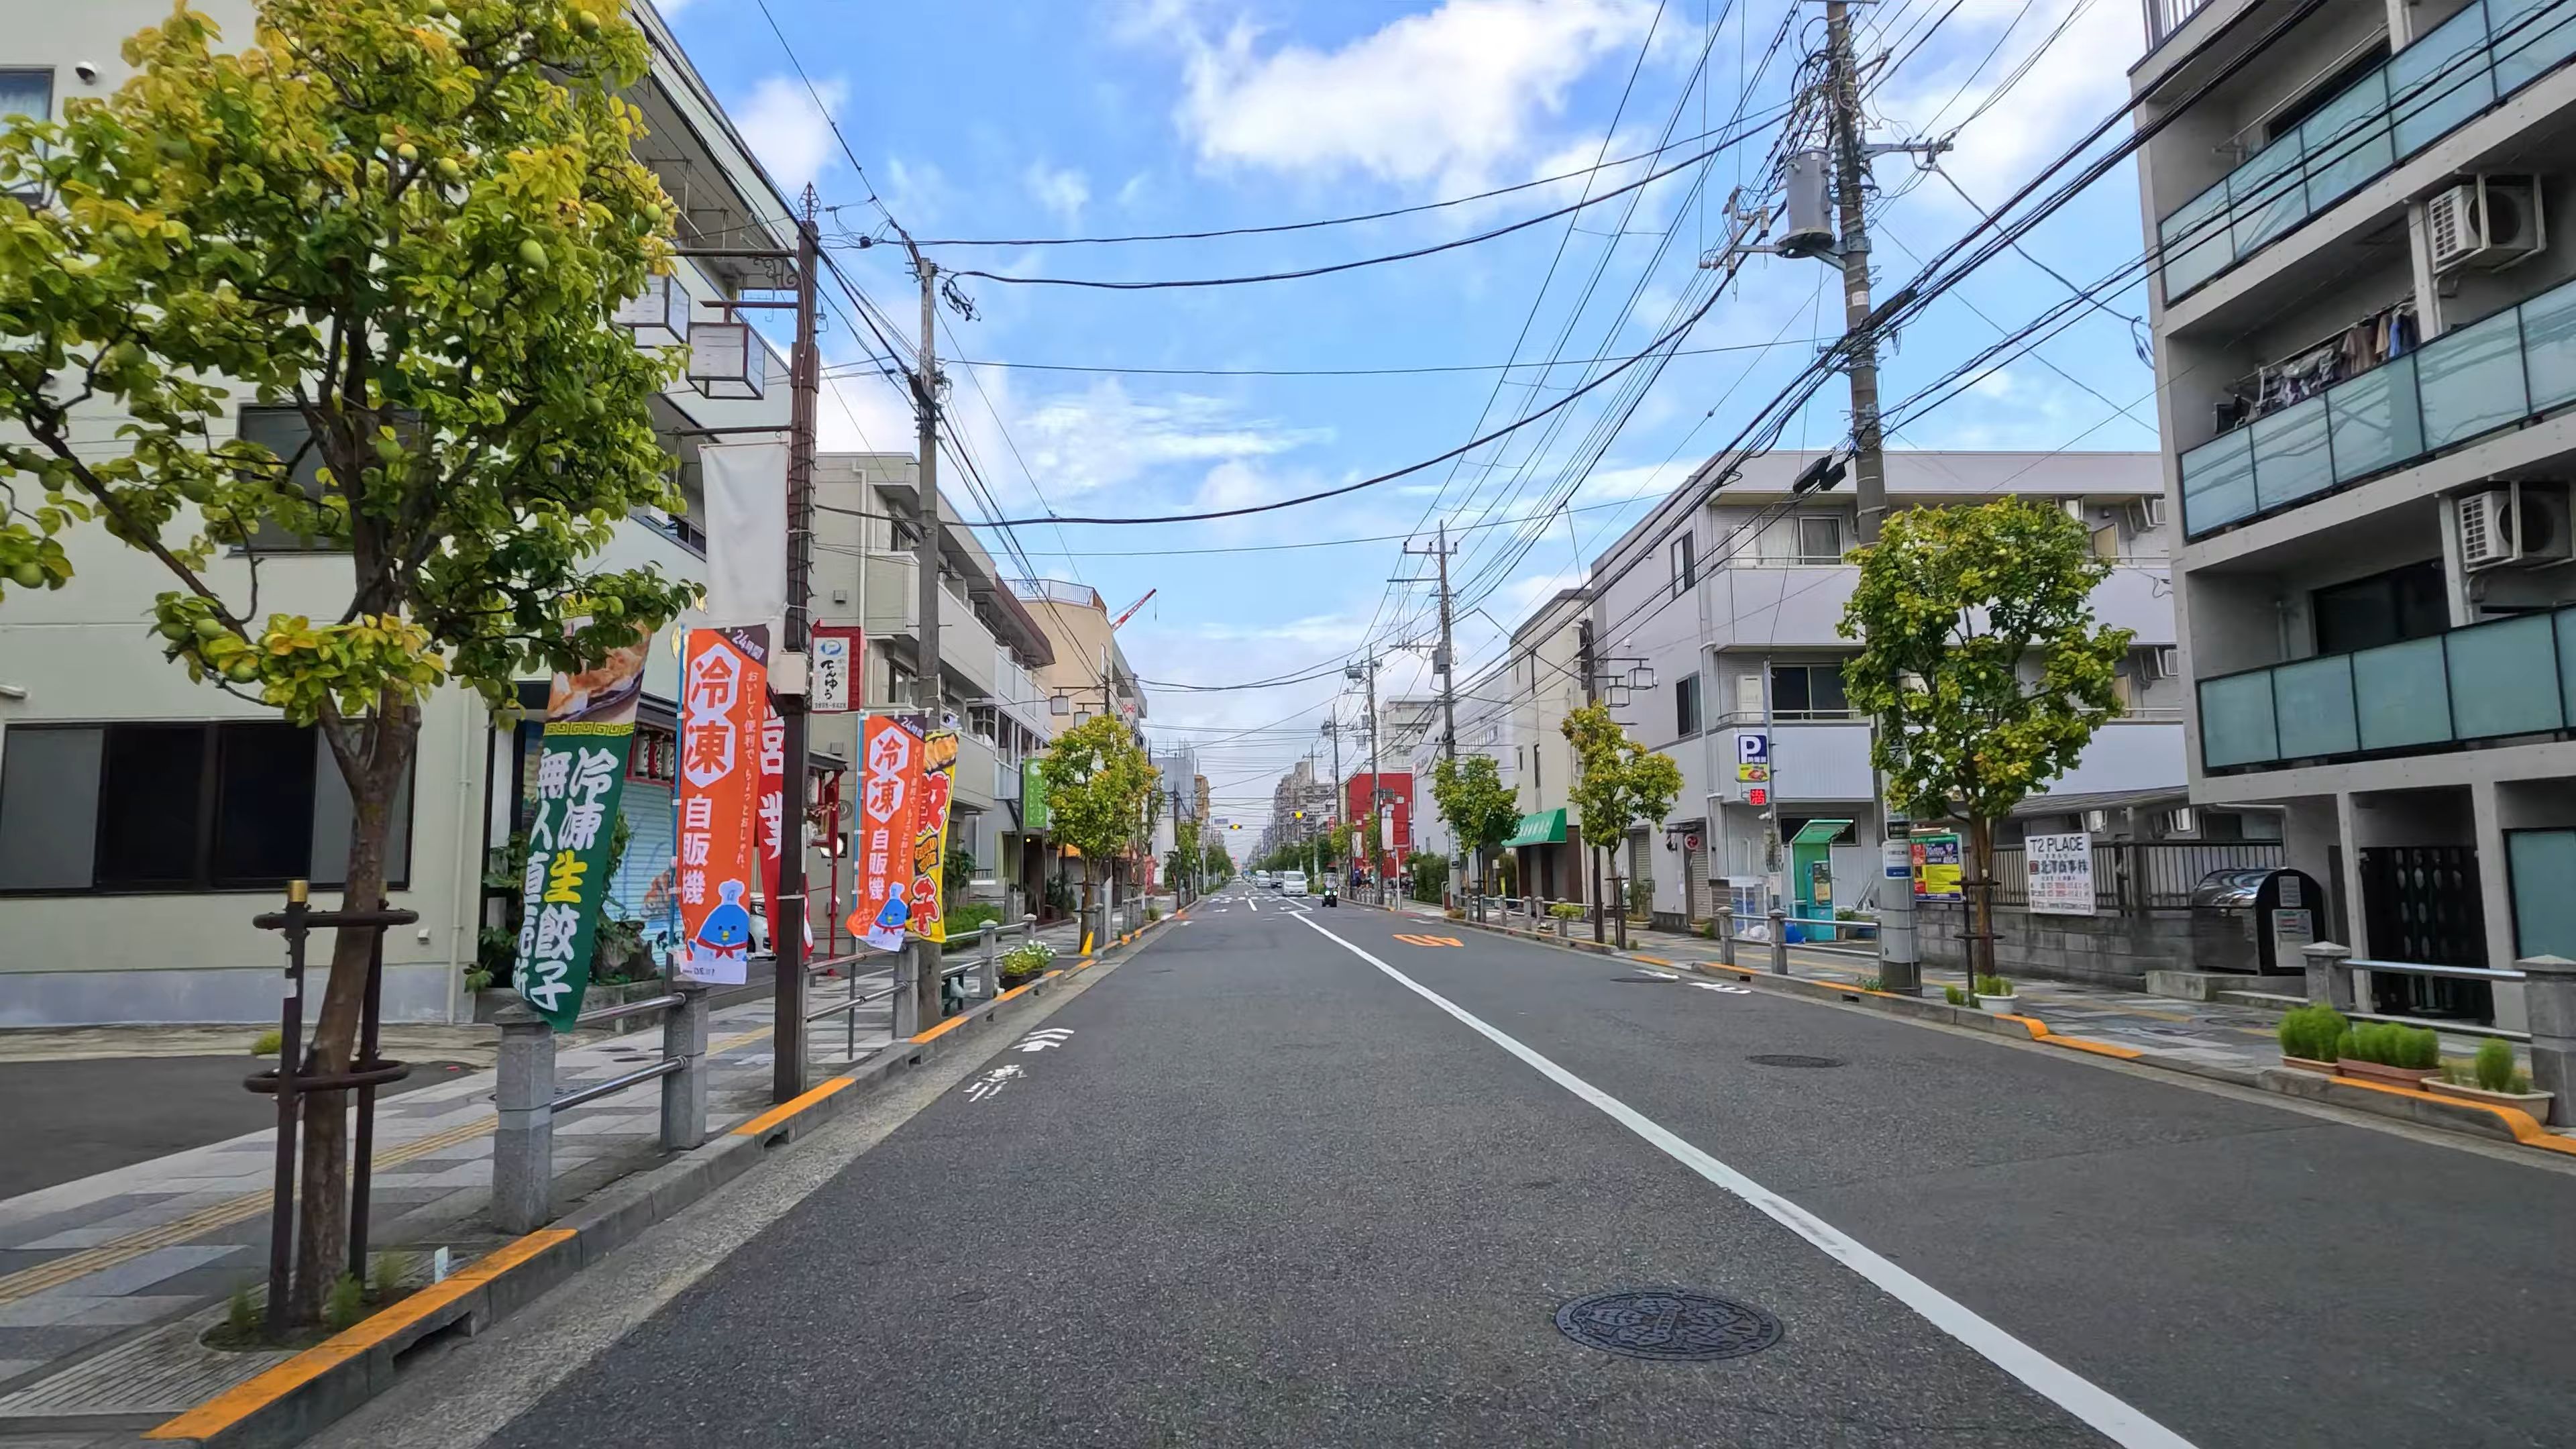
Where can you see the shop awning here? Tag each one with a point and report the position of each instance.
(1547, 827)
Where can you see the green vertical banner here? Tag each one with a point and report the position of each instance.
(581, 775)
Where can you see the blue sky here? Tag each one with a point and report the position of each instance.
(1044, 118)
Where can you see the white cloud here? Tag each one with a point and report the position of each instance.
(1451, 96)
(1060, 189)
(1102, 437)
(788, 132)
(2082, 78)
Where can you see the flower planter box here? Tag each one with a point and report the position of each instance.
(2411, 1078)
(1999, 1005)
(2536, 1103)
(2307, 1064)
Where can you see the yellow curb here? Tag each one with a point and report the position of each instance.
(244, 1399)
(784, 1110)
(2520, 1123)
(2039, 1032)
(1649, 960)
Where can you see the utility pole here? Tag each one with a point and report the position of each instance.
(1860, 346)
(920, 953)
(1377, 781)
(1444, 662)
(787, 913)
(1333, 728)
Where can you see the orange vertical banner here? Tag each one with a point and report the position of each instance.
(891, 747)
(724, 698)
(930, 836)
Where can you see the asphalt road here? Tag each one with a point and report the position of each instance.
(1285, 1178)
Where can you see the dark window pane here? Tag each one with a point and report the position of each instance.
(48, 808)
(1788, 689)
(2405, 603)
(150, 806)
(283, 432)
(263, 803)
(1686, 704)
(1827, 688)
(1820, 539)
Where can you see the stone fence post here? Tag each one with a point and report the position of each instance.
(2549, 998)
(2329, 979)
(523, 1154)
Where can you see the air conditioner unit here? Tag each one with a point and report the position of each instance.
(2181, 822)
(2074, 508)
(2097, 821)
(2518, 523)
(2487, 222)
(2164, 663)
(2147, 513)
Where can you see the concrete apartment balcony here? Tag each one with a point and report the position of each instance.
(2485, 684)
(2483, 90)
(967, 650)
(1800, 606)
(1828, 759)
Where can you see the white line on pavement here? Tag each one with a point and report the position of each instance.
(1256, 905)
(2060, 1385)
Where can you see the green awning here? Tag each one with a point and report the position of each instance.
(1820, 832)
(1547, 827)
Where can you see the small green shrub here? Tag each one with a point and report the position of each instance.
(1954, 995)
(1024, 962)
(1993, 986)
(2310, 1032)
(2419, 1047)
(385, 1274)
(1566, 910)
(1871, 983)
(2393, 1044)
(240, 1319)
(2495, 1066)
(346, 1305)
(1153, 912)
(266, 1044)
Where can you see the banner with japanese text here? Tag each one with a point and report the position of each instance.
(890, 754)
(724, 703)
(835, 655)
(581, 774)
(930, 836)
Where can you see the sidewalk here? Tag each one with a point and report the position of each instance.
(2208, 1038)
(89, 1261)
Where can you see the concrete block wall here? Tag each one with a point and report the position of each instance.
(2108, 950)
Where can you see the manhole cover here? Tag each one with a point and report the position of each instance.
(1667, 1323)
(1792, 1059)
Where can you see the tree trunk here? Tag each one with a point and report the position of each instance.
(1595, 852)
(1981, 901)
(373, 770)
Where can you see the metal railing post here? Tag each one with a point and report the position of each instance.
(989, 977)
(523, 1154)
(1726, 935)
(1779, 943)
(2329, 979)
(684, 1092)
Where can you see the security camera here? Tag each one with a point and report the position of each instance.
(87, 71)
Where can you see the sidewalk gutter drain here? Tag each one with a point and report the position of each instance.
(1668, 1324)
(1792, 1059)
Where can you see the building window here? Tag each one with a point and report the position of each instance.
(1808, 691)
(1820, 538)
(1686, 705)
(28, 95)
(1685, 564)
(177, 807)
(284, 432)
(2403, 603)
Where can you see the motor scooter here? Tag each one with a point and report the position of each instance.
(1332, 894)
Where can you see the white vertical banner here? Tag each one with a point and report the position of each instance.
(2060, 873)
(746, 488)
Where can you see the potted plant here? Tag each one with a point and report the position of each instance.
(1562, 912)
(2308, 1035)
(1996, 995)
(2389, 1053)
(1024, 963)
(2494, 1078)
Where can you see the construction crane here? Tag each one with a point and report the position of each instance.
(1130, 611)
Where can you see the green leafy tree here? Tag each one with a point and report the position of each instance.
(1099, 788)
(409, 222)
(1982, 664)
(1477, 806)
(1618, 784)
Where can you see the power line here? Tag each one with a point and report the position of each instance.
(1426, 369)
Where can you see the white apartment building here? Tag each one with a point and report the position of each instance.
(144, 820)
(866, 532)
(2365, 350)
(1717, 617)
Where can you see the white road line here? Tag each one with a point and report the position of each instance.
(2060, 1385)
(1256, 905)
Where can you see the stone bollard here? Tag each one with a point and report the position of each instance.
(684, 1092)
(907, 994)
(523, 1153)
(1726, 935)
(1779, 943)
(988, 976)
(2549, 999)
(2329, 979)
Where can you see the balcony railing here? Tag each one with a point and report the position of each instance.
(2487, 681)
(2473, 380)
(2164, 17)
(2424, 92)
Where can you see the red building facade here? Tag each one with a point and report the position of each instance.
(1397, 831)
